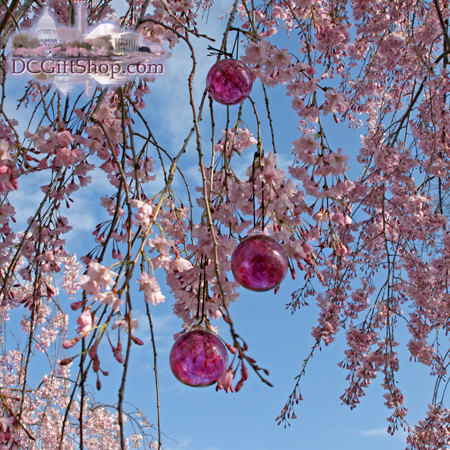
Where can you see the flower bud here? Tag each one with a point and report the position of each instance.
(76, 305)
(136, 340)
(65, 361)
(93, 351)
(118, 356)
(118, 353)
(69, 343)
(244, 372)
(231, 349)
(95, 365)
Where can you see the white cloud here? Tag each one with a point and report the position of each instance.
(164, 327)
(180, 445)
(163, 323)
(375, 432)
(381, 432)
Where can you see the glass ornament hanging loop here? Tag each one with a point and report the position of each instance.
(198, 358)
(229, 81)
(259, 263)
(202, 293)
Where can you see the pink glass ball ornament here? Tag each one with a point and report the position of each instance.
(229, 82)
(259, 263)
(198, 358)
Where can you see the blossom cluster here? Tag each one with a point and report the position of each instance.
(370, 248)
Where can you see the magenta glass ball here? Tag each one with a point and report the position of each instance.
(229, 82)
(259, 263)
(198, 358)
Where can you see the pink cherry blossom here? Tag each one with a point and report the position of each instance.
(97, 277)
(358, 202)
(124, 325)
(335, 103)
(339, 162)
(181, 264)
(85, 323)
(226, 380)
(161, 244)
(151, 289)
(144, 215)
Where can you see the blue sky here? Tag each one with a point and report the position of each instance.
(200, 418)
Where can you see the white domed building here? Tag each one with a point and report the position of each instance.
(46, 30)
(121, 42)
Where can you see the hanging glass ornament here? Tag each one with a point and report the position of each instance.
(198, 358)
(259, 263)
(229, 82)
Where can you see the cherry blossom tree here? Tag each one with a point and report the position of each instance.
(371, 250)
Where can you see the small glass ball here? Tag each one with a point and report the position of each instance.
(198, 358)
(259, 263)
(229, 82)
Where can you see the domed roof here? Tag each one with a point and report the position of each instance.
(104, 29)
(46, 22)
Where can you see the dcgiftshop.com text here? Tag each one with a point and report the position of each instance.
(84, 66)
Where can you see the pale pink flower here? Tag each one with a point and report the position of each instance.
(80, 114)
(5, 157)
(63, 157)
(335, 102)
(162, 261)
(226, 381)
(298, 249)
(181, 264)
(306, 143)
(84, 181)
(6, 211)
(161, 244)
(110, 299)
(145, 213)
(297, 104)
(98, 276)
(123, 324)
(341, 219)
(244, 139)
(7, 181)
(303, 3)
(85, 322)
(338, 161)
(64, 138)
(151, 289)
(280, 57)
(321, 215)
(7, 422)
(105, 112)
(109, 204)
(256, 51)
